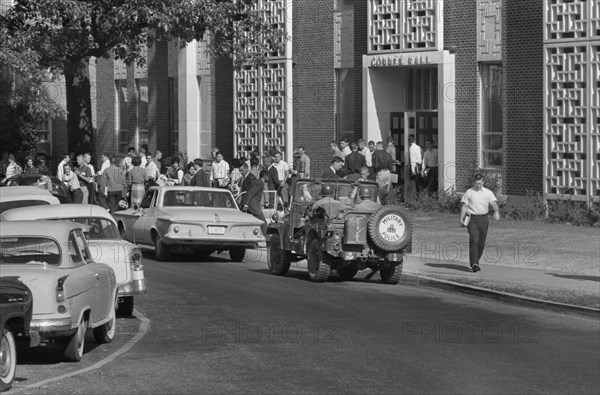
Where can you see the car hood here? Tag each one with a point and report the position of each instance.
(194, 215)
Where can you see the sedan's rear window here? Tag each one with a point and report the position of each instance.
(24, 249)
(191, 198)
(21, 203)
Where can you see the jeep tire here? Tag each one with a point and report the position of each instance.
(278, 259)
(391, 274)
(318, 271)
(390, 228)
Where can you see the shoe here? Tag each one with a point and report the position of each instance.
(476, 268)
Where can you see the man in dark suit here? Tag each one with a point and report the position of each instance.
(251, 200)
(353, 163)
(201, 178)
(332, 171)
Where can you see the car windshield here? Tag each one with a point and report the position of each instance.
(99, 228)
(313, 191)
(183, 198)
(25, 249)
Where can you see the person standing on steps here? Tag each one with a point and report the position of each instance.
(476, 203)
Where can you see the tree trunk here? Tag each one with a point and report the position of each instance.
(79, 107)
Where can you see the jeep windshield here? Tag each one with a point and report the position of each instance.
(25, 249)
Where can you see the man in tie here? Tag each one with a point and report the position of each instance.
(251, 202)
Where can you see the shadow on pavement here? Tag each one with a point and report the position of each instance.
(460, 268)
(300, 274)
(576, 277)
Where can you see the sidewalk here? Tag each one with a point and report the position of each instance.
(529, 285)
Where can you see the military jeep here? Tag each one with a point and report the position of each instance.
(339, 225)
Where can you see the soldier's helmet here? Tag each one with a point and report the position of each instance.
(365, 193)
(326, 190)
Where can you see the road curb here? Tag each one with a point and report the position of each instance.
(415, 279)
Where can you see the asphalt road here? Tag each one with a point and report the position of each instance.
(222, 327)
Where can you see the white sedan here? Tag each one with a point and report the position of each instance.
(206, 219)
(105, 244)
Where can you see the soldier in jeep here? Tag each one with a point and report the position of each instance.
(328, 205)
(366, 200)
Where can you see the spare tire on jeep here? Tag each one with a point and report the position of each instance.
(390, 228)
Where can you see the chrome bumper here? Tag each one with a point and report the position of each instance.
(134, 287)
(51, 328)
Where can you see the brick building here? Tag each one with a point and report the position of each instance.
(508, 85)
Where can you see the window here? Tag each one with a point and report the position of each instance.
(345, 103)
(44, 128)
(142, 114)
(25, 249)
(121, 114)
(173, 113)
(492, 106)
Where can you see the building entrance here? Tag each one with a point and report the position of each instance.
(423, 125)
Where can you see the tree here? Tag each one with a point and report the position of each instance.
(68, 33)
(23, 98)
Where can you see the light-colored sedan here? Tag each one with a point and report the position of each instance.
(104, 242)
(206, 219)
(14, 197)
(71, 291)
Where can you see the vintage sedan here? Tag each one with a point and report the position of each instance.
(16, 306)
(71, 291)
(15, 197)
(206, 219)
(104, 242)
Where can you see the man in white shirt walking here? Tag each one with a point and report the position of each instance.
(476, 203)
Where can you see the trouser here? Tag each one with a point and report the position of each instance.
(432, 180)
(478, 227)
(113, 199)
(260, 216)
(77, 196)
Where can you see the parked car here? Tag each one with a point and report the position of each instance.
(327, 226)
(16, 306)
(206, 219)
(104, 241)
(16, 197)
(72, 292)
(56, 187)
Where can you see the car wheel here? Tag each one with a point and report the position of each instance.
(391, 275)
(125, 308)
(75, 343)
(105, 333)
(347, 272)
(8, 359)
(318, 271)
(278, 260)
(237, 254)
(161, 250)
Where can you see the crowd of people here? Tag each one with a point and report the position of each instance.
(123, 181)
